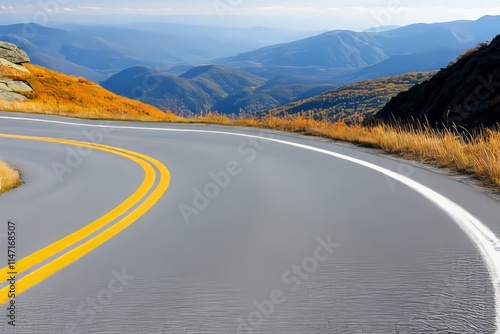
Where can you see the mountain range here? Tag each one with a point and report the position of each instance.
(280, 74)
(341, 57)
(464, 94)
(194, 69)
(96, 52)
(354, 102)
(207, 88)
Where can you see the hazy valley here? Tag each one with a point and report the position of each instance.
(177, 67)
(250, 166)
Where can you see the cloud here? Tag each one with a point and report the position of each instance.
(285, 10)
(90, 8)
(295, 14)
(356, 17)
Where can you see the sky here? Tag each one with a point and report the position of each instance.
(304, 15)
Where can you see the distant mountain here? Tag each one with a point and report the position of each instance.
(267, 96)
(206, 88)
(353, 102)
(412, 62)
(247, 77)
(302, 69)
(336, 57)
(44, 91)
(329, 50)
(458, 35)
(345, 56)
(382, 28)
(466, 93)
(44, 48)
(239, 39)
(100, 50)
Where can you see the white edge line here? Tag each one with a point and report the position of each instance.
(486, 241)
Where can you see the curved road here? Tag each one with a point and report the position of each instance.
(160, 228)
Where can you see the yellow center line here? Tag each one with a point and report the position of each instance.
(64, 260)
(62, 244)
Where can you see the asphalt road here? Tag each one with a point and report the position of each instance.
(282, 234)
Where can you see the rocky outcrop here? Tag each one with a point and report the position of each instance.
(15, 86)
(13, 74)
(7, 65)
(13, 54)
(11, 96)
(466, 93)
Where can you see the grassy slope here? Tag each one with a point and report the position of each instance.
(478, 155)
(353, 102)
(9, 177)
(60, 94)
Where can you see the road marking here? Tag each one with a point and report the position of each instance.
(62, 244)
(64, 260)
(485, 240)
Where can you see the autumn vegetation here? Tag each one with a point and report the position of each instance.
(60, 94)
(476, 154)
(354, 102)
(9, 177)
(14, 73)
(469, 52)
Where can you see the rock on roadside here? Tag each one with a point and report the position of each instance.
(12, 73)
(11, 96)
(15, 86)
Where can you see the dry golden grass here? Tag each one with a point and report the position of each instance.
(478, 155)
(475, 154)
(60, 94)
(9, 177)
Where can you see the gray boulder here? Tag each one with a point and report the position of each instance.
(12, 53)
(15, 86)
(11, 96)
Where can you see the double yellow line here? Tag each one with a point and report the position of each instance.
(63, 260)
